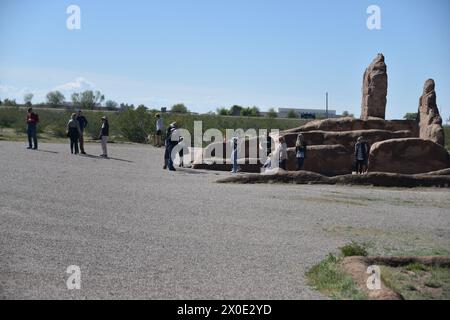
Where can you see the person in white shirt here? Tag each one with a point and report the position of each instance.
(159, 128)
(281, 152)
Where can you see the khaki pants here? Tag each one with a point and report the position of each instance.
(104, 145)
(81, 139)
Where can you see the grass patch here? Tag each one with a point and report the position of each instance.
(354, 249)
(328, 278)
(418, 282)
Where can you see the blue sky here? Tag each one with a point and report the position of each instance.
(216, 53)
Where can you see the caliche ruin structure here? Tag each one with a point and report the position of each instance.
(397, 146)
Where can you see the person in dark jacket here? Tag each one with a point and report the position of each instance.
(361, 155)
(300, 152)
(172, 139)
(73, 132)
(32, 121)
(82, 121)
(104, 134)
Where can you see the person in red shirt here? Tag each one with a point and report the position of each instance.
(32, 121)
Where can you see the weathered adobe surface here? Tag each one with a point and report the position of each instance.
(397, 146)
(408, 156)
(378, 179)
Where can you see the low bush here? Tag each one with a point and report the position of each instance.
(354, 249)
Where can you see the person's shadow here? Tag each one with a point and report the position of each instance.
(98, 157)
(46, 151)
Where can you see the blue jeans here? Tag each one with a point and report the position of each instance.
(168, 157)
(32, 136)
(300, 162)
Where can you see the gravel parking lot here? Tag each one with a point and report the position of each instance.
(137, 231)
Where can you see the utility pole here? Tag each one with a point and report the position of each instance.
(327, 105)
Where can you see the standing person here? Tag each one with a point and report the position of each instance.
(361, 155)
(172, 139)
(234, 154)
(104, 134)
(159, 128)
(73, 132)
(268, 146)
(181, 145)
(82, 121)
(32, 121)
(300, 151)
(282, 153)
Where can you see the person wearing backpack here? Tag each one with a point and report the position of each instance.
(73, 132)
(300, 152)
(32, 121)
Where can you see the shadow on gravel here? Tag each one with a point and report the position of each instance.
(109, 158)
(192, 171)
(46, 151)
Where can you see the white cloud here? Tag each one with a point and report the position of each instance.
(78, 85)
(5, 89)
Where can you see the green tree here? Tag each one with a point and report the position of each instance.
(410, 116)
(10, 102)
(272, 113)
(254, 111)
(347, 114)
(142, 107)
(292, 114)
(111, 105)
(55, 98)
(222, 111)
(27, 97)
(87, 99)
(179, 108)
(235, 110)
(246, 112)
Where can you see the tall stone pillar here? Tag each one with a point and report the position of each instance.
(430, 122)
(374, 90)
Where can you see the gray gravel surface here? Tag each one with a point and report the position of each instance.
(137, 231)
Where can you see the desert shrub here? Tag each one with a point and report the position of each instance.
(354, 249)
(56, 130)
(9, 117)
(135, 125)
